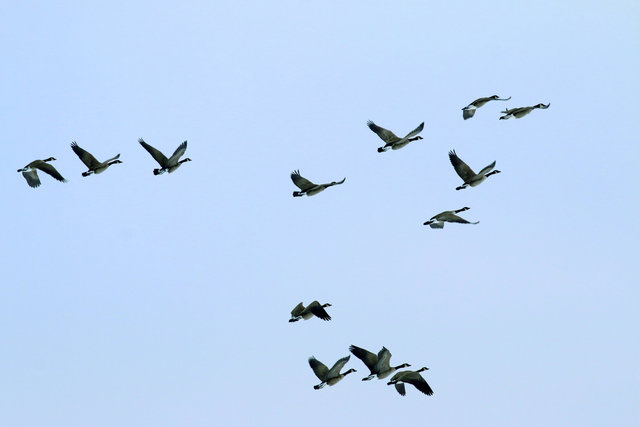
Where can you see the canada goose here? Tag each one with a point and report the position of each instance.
(30, 172)
(448, 216)
(411, 377)
(308, 187)
(313, 309)
(378, 365)
(470, 110)
(391, 140)
(329, 376)
(91, 162)
(467, 174)
(521, 111)
(167, 165)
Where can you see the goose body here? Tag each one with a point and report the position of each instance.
(307, 187)
(467, 174)
(30, 172)
(438, 221)
(91, 162)
(522, 111)
(166, 164)
(470, 110)
(329, 376)
(313, 309)
(391, 140)
(378, 364)
(411, 377)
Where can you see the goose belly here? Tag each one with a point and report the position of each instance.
(315, 190)
(477, 181)
(400, 144)
(173, 168)
(335, 380)
(100, 169)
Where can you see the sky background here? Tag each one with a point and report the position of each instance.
(129, 299)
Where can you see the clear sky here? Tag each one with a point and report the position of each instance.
(129, 299)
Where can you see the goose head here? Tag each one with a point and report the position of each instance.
(185, 160)
(494, 97)
(349, 371)
(49, 159)
(115, 162)
(542, 106)
(466, 208)
(424, 368)
(326, 305)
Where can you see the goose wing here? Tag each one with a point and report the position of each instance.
(467, 113)
(32, 178)
(370, 359)
(462, 169)
(415, 379)
(156, 154)
(318, 310)
(49, 169)
(436, 224)
(297, 310)
(384, 357)
(487, 168)
(335, 369)
(455, 218)
(86, 157)
(300, 182)
(319, 368)
(384, 134)
(400, 388)
(415, 131)
(178, 153)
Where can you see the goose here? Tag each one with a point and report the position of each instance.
(308, 187)
(521, 111)
(470, 110)
(411, 377)
(448, 216)
(328, 376)
(30, 172)
(378, 365)
(167, 165)
(91, 162)
(467, 174)
(313, 309)
(391, 140)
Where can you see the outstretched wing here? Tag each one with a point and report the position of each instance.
(415, 131)
(178, 153)
(86, 157)
(455, 218)
(384, 357)
(318, 310)
(300, 182)
(156, 154)
(462, 169)
(32, 178)
(369, 359)
(467, 113)
(487, 168)
(49, 169)
(418, 382)
(400, 388)
(384, 134)
(319, 368)
(297, 310)
(335, 369)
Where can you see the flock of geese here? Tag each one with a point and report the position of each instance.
(379, 364)
(30, 171)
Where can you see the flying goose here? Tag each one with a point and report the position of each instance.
(308, 187)
(391, 140)
(378, 365)
(328, 376)
(448, 216)
(313, 309)
(470, 110)
(167, 165)
(411, 377)
(521, 111)
(467, 174)
(30, 172)
(91, 162)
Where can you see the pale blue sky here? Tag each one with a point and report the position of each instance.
(131, 299)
